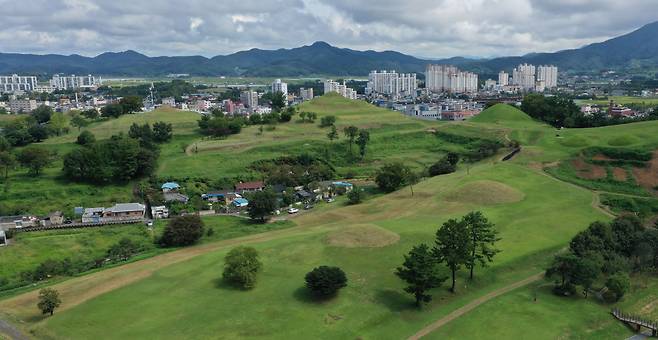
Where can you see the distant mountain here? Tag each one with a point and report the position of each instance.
(631, 51)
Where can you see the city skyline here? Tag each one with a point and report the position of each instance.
(477, 28)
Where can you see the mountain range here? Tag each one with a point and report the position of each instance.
(638, 49)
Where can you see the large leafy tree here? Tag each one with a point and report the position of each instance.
(392, 176)
(483, 236)
(34, 158)
(48, 300)
(162, 132)
(278, 101)
(564, 268)
(182, 231)
(261, 205)
(131, 104)
(351, 133)
(362, 140)
(421, 273)
(325, 281)
(42, 114)
(452, 246)
(241, 267)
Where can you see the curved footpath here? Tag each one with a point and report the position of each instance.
(6, 329)
(473, 304)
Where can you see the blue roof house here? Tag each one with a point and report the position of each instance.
(170, 186)
(240, 202)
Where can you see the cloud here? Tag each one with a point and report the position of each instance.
(428, 28)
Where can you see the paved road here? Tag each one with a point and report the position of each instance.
(6, 329)
(473, 304)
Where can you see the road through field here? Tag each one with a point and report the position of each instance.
(473, 304)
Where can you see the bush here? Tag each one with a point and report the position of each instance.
(327, 121)
(86, 138)
(182, 231)
(241, 266)
(354, 196)
(441, 167)
(565, 290)
(392, 177)
(618, 285)
(325, 281)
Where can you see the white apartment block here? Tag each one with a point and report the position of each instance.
(249, 99)
(524, 76)
(391, 83)
(73, 82)
(503, 78)
(16, 83)
(547, 74)
(279, 86)
(342, 89)
(306, 94)
(169, 101)
(439, 78)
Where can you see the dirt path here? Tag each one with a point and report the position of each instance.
(473, 304)
(7, 330)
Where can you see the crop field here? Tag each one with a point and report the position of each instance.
(536, 208)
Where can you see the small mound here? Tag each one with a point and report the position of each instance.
(485, 193)
(622, 140)
(574, 141)
(501, 112)
(362, 236)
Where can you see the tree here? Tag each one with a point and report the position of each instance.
(90, 114)
(325, 281)
(261, 205)
(131, 104)
(79, 121)
(7, 162)
(57, 123)
(362, 140)
(86, 138)
(354, 196)
(48, 300)
(618, 285)
(38, 132)
(392, 176)
(350, 132)
(278, 101)
(421, 272)
(162, 132)
(452, 246)
(112, 110)
(241, 267)
(312, 116)
(123, 250)
(483, 236)
(333, 134)
(182, 231)
(441, 167)
(587, 271)
(42, 114)
(564, 267)
(327, 121)
(34, 158)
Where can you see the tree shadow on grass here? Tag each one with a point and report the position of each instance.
(395, 301)
(304, 295)
(221, 284)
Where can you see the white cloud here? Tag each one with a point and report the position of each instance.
(429, 28)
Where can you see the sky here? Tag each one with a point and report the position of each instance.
(423, 28)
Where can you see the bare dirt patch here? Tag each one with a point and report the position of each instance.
(647, 177)
(601, 157)
(588, 171)
(485, 193)
(362, 236)
(619, 174)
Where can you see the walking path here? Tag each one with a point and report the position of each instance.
(6, 329)
(473, 304)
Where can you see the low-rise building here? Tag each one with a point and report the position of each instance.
(22, 105)
(159, 212)
(120, 212)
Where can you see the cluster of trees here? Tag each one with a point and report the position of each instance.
(36, 127)
(117, 159)
(147, 136)
(605, 254)
(175, 88)
(467, 242)
(354, 134)
(126, 105)
(446, 165)
(292, 171)
(218, 124)
(182, 231)
(325, 281)
(308, 117)
(394, 176)
(261, 205)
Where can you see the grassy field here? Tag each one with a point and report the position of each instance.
(180, 294)
(624, 100)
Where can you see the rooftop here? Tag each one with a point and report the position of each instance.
(249, 185)
(126, 207)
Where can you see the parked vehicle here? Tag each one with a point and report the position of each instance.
(308, 207)
(330, 200)
(293, 211)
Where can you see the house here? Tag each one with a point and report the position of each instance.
(215, 196)
(342, 187)
(249, 187)
(159, 211)
(117, 213)
(240, 202)
(171, 196)
(56, 218)
(3, 238)
(7, 222)
(304, 195)
(170, 186)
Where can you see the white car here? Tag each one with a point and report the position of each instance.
(293, 211)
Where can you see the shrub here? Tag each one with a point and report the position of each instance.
(85, 138)
(392, 177)
(441, 167)
(182, 231)
(325, 281)
(241, 266)
(48, 300)
(618, 285)
(354, 196)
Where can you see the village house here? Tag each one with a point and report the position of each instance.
(223, 197)
(243, 187)
(159, 211)
(55, 218)
(117, 213)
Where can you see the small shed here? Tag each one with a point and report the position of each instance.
(170, 186)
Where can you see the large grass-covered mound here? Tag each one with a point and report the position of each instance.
(485, 193)
(362, 235)
(502, 113)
